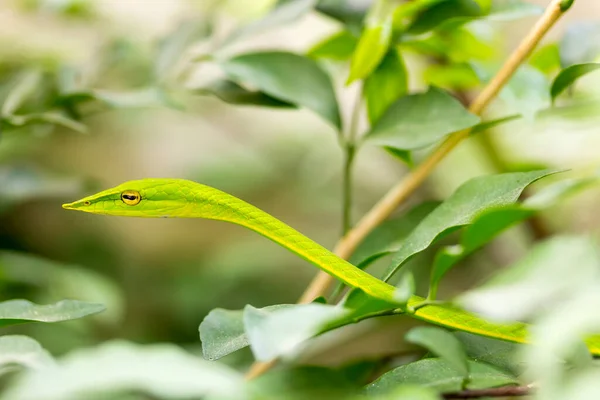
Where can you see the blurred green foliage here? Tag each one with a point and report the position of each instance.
(254, 99)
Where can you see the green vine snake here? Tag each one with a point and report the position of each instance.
(177, 198)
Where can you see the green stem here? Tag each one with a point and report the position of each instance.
(350, 151)
(349, 147)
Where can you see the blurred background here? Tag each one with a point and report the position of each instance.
(144, 63)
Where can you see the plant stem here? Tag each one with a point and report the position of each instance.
(347, 188)
(349, 148)
(412, 181)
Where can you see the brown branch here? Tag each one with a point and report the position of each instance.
(399, 193)
(505, 391)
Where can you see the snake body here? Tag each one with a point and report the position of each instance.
(178, 198)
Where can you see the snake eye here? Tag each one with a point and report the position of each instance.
(131, 197)
(87, 203)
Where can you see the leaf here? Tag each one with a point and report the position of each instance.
(232, 93)
(302, 384)
(349, 12)
(23, 88)
(390, 234)
(222, 331)
(492, 222)
(405, 156)
(60, 281)
(283, 14)
(172, 47)
(440, 375)
(339, 46)
(461, 208)
(141, 98)
(441, 343)
(580, 44)
(569, 75)
(161, 371)
(50, 117)
(485, 125)
(501, 354)
(288, 77)
(452, 76)
(385, 85)
(374, 41)
(442, 11)
(22, 351)
(420, 120)
(546, 59)
(537, 282)
(279, 333)
(21, 311)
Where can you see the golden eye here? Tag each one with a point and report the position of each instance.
(87, 203)
(131, 197)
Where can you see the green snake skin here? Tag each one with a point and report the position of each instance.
(177, 198)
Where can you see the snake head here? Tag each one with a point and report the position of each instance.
(141, 198)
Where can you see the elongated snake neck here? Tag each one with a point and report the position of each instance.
(214, 204)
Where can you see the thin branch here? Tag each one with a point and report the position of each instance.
(413, 180)
(505, 391)
(399, 193)
(349, 148)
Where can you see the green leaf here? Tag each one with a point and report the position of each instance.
(485, 125)
(501, 354)
(232, 93)
(64, 281)
(543, 278)
(420, 120)
(22, 351)
(172, 47)
(385, 85)
(569, 75)
(283, 14)
(453, 76)
(281, 332)
(222, 331)
(492, 222)
(23, 88)
(390, 234)
(339, 46)
(21, 311)
(441, 343)
(440, 375)
(50, 117)
(302, 384)
(141, 98)
(442, 11)
(374, 41)
(546, 59)
(288, 77)
(405, 156)
(461, 208)
(348, 12)
(159, 371)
